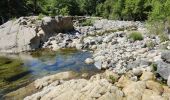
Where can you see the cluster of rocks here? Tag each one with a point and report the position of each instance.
(105, 86)
(113, 49)
(83, 36)
(29, 33)
(118, 52)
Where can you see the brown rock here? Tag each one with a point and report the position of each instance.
(147, 76)
(134, 91)
(155, 86)
(166, 89)
(123, 81)
(151, 95)
(109, 74)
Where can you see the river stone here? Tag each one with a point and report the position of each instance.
(165, 55)
(123, 82)
(138, 63)
(134, 91)
(98, 64)
(89, 61)
(155, 86)
(168, 81)
(137, 71)
(151, 95)
(163, 69)
(147, 76)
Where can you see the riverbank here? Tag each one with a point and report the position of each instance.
(106, 86)
(135, 61)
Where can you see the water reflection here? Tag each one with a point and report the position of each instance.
(26, 67)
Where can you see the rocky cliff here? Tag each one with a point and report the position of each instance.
(28, 33)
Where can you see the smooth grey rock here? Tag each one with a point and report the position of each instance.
(165, 55)
(29, 33)
(98, 64)
(89, 61)
(138, 63)
(163, 69)
(137, 71)
(168, 81)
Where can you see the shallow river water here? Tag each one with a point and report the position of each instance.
(26, 67)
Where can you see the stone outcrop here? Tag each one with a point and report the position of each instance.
(79, 89)
(98, 87)
(28, 33)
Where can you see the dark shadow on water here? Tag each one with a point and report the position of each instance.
(19, 76)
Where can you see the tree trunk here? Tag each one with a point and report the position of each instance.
(35, 6)
(9, 9)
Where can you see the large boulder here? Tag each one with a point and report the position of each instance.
(28, 33)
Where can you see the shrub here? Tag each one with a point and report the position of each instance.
(150, 44)
(135, 36)
(40, 16)
(112, 78)
(154, 66)
(87, 22)
(164, 37)
(155, 27)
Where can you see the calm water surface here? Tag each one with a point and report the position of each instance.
(15, 74)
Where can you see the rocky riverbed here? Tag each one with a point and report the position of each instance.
(134, 69)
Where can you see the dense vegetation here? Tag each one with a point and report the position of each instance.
(112, 9)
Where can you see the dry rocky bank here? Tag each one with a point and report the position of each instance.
(135, 70)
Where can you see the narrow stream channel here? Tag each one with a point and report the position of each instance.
(27, 67)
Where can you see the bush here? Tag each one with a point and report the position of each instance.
(40, 16)
(154, 66)
(136, 36)
(155, 27)
(150, 44)
(87, 22)
(112, 78)
(164, 37)
(160, 28)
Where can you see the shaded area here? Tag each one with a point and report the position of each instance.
(12, 74)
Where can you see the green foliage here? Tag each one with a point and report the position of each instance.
(112, 78)
(155, 27)
(87, 22)
(40, 16)
(4, 61)
(154, 66)
(150, 44)
(124, 9)
(64, 11)
(160, 28)
(112, 9)
(135, 36)
(160, 10)
(87, 7)
(164, 37)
